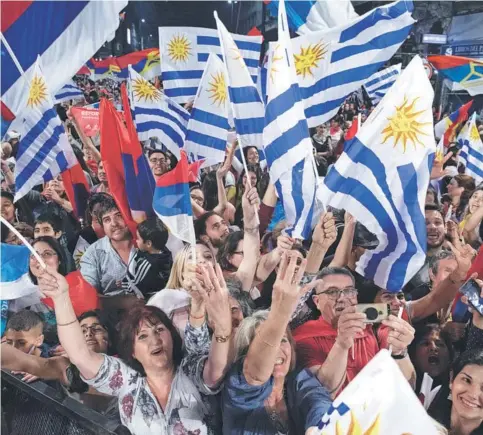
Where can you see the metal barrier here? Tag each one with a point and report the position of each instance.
(37, 408)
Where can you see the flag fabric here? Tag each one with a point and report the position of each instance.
(471, 154)
(112, 134)
(331, 65)
(144, 62)
(313, 16)
(44, 150)
(377, 85)
(208, 126)
(156, 115)
(63, 34)
(248, 108)
(378, 400)
(184, 53)
(137, 174)
(262, 79)
(172, 201)
(382, 178)
(79, 250)
(449, 125)
(288, 147)
(70, 91)
(77, 189)
(467, 72)
(87, 119)
(14, 275)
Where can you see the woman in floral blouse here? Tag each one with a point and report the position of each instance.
(158, 390)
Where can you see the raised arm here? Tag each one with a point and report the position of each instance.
(470, 226)
(263, 350)
(341, 257)
(324, 235)
(269, 262)
(55, 286)
(220, 174)
(251, 239)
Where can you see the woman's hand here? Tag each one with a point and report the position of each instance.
(250, 204)
(401, 334)
(225, 167)
(287, 290)
(52, 284)
(464, 255)
(437, 171)
(214, 293)
(284, 244)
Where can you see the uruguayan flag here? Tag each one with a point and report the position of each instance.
(247, 106)
(471, 154)
(331, 65)
(306, 16)
(70, 91)
(156, 115)
(14, 275)
(184, 52)
(44, 150)
(208, 126)
(286, 140)
(378, 84)
(382, 178)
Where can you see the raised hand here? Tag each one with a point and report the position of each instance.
(52, 284)
(325, 232)
(350, 324)
(225, 167)
(287, 290)
(284, 244)
(214, 293)
(250, 204)
(437, 171)
(401, 334)
(464, 255)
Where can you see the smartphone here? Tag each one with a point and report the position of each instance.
(472, 291)
(375, 313)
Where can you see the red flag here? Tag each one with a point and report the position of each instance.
(137, 174)
(193, 170)
(77, 189)
(113, 134)
(254, 31)
(351, 133)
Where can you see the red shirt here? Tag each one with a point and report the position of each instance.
(315, 340)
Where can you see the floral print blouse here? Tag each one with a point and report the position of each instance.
(186, 412)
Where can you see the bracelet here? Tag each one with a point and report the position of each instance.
(197, 318)
(265, 342)
(401, 355)
(221, 338)
(252, 230)
(65, 324)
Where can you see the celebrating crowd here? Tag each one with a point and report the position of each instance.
(250, 331)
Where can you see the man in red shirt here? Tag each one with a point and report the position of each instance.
(337, 345)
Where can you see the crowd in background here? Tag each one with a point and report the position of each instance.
(262, 332)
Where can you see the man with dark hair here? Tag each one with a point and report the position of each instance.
(157, 162)
(152, 263)
(49, 224)
(25, 332)
(211, 229)
(105, 263)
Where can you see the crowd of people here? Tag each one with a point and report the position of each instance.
(262, 332)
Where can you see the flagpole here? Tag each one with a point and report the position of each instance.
(24, 241)
(17, 64)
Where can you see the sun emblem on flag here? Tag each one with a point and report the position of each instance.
(356, 429)
(38, 91)
(309, 58)
(275, 58)
(218, 89)
(405, 127)
(237, 52)
(179, 48)
(474, 133)
(143, 90)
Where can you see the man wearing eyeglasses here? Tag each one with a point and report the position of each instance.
(337, 345)
(157, 162)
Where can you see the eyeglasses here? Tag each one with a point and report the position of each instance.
(156, 161)
(95, 329)
(336, 293)
(46, 255)
(387, 297)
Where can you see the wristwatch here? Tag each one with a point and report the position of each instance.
(400, 355)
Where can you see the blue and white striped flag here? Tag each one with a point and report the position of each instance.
(378, 84)
(208, 126)
(331, 65)
(247, 106)
(382, 178)
(471, 154)
(44, 150)
(184, 52)
(286, 140)
(156, 115)
(305, 16)
(70, 91)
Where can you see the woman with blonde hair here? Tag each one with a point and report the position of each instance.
(175, 299)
